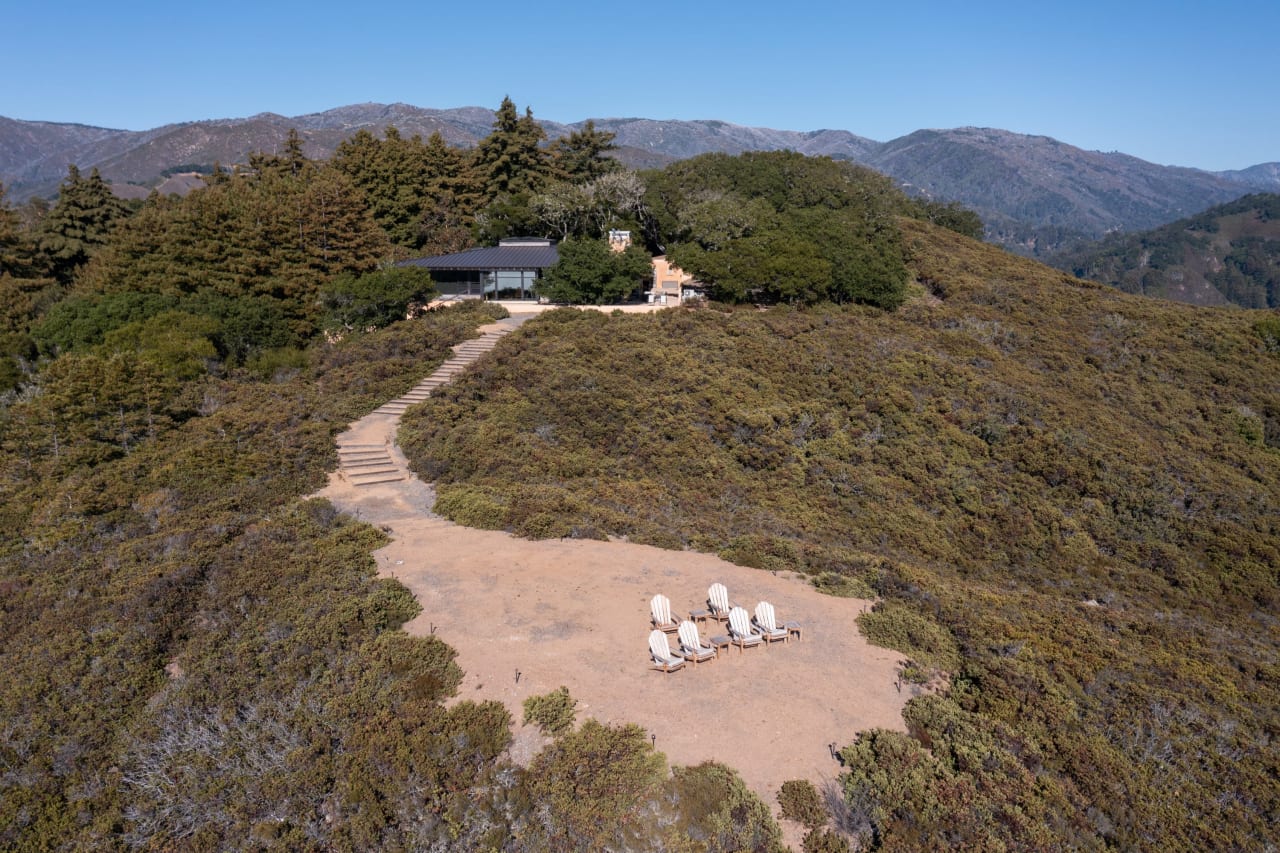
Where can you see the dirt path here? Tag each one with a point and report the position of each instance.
(527, 617)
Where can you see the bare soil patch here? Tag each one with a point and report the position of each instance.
(527, 617)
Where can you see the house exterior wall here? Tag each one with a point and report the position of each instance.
(668, 280)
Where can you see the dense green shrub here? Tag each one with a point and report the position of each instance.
(824, 841)
(896, 626)
(800, 802)
(717, 813)
(360, 303)
(553, 712)
(594, 784)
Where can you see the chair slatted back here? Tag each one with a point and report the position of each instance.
(658, 645)
(660, 607)
(719, 597)
(739, 622)
(689, 637)
(765, 616)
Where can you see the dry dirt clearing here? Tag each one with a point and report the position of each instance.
(527, 617)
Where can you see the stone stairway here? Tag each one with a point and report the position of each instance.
(367, 464)
(364, 462)
(463, 355)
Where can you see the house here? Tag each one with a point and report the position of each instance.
(672, 284)
(506, 271)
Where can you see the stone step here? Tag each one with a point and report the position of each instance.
(384, 459)
(375, 481)
(360, 446)
(371, 467)
(373, 470)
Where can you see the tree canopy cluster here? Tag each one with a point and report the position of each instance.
(276, 250)
(782, 227)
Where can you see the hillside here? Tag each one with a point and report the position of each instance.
(1062, 497)
(994, 461)
(1037, 195)
(1229, 254)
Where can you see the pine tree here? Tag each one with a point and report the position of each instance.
(510, 159)
(80, 223)
(15, 255)
(582, 155)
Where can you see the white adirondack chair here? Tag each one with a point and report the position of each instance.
(660, 612)
(740, 631)
(662, 658)
(691, 644)
(768, 624)
(718, 601)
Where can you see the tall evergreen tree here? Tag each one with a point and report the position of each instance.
(23, 295)
(79, 224)
(583, 154)
(510, 159)
(15, 246)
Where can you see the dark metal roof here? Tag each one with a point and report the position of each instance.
(492, 258)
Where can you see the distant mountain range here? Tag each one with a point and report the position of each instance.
(1228, 254)
(1037, 195)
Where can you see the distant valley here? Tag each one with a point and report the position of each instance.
(1037, 196)
(1229, 254)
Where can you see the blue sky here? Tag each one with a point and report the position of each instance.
(1188, 83)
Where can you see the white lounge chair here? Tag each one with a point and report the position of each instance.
(768, 624)
(718, 602)
(662, 658)
(660, 613)
(740, 632)
(691, 644)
